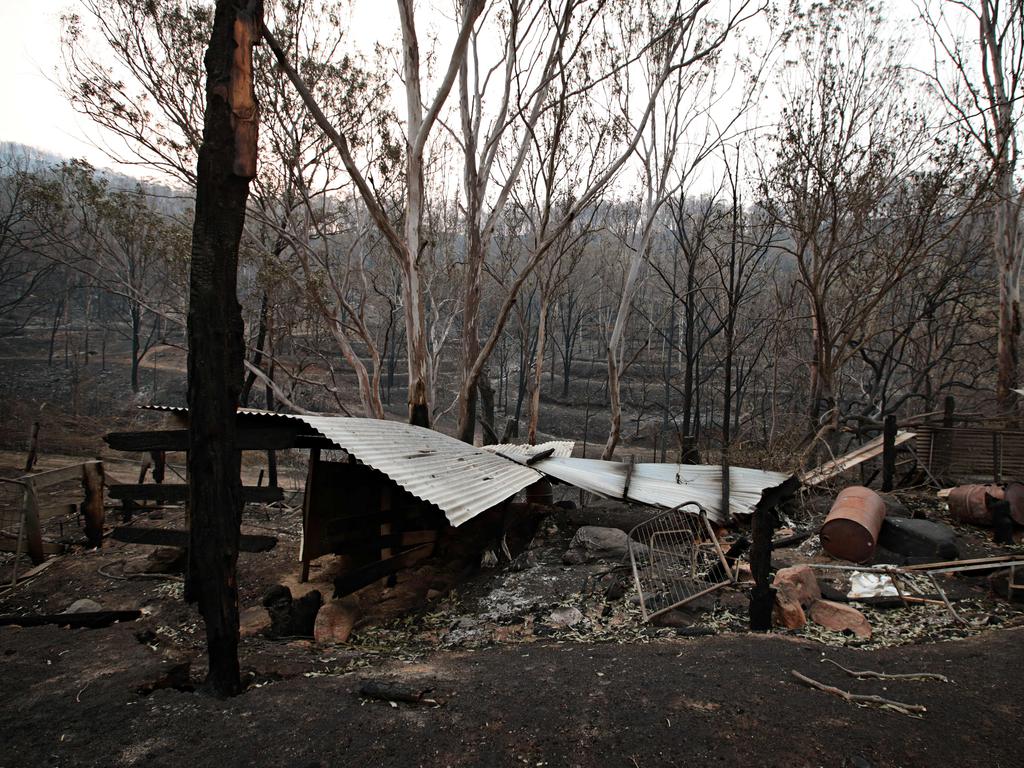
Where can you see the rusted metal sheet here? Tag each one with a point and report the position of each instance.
(971, 453)
(967, 502)
(850, 531)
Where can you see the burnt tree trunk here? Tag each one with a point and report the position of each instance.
(227, 160)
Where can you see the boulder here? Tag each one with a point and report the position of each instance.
(788, 613)
(796, 588)
(335, 622)
(799, 583)
(919, 541)
(85, 605)
(839, 617)
(592, 543)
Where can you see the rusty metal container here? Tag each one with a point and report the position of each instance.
(850, 531)
(967, 502)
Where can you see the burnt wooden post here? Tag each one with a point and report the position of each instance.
(227, 161)
(307, 511)
(888, 452)
(92, 506)
(762, 597)
(159, 466)
(33, 447)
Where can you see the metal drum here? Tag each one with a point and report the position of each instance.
(967, 502)
(850, 531)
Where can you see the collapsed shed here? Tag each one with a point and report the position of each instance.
(398, 492)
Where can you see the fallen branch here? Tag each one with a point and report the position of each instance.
(867, 673)
(863, 700)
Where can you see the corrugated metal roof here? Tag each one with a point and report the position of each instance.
(665, 485)
(521, 453)
(463, 480)
(458, 478)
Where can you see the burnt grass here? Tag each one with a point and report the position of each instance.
(508, 691)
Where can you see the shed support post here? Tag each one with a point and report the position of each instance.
(888, 452)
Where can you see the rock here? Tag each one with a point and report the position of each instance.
(85, 605)
(796, 588)
(787, 612)
(253, 621)
(919, 541)
(839, 617)
(591, 543)
(799, 583)
(565, 617)
(335, 621)
(894, 507)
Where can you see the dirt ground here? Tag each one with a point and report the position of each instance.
(71, 699)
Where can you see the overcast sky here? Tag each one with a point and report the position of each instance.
(37, 115)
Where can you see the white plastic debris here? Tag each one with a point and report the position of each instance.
(871, 585)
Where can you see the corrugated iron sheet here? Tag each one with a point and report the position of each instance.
(521, 453)
(463, 480)
(459, 479)
(971, 453)
(665, 485)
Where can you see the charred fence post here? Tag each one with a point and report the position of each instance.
(762, 597)
(888, 452)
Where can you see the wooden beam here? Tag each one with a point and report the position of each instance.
(172, 537)
(249, 439)
(888, 452)
(348, 583)
(173, 492)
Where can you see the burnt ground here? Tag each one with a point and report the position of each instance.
(70, 699)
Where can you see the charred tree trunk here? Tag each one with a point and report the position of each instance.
(227, 161)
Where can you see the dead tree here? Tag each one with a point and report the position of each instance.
(227, 162)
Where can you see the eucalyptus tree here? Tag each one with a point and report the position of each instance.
(980, 78)
(856, 183)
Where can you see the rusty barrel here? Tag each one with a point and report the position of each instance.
(967, 502)
(850, 531)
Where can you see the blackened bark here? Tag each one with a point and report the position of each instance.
(215, 345)
(762, 597)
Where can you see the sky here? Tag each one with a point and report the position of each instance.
(39, 116)
(36, 114)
